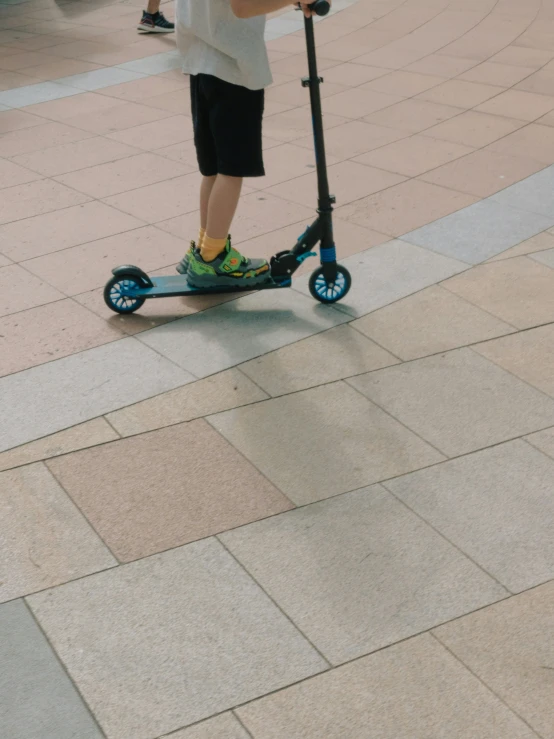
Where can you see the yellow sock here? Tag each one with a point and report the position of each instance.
(212, 248)
(201, 235)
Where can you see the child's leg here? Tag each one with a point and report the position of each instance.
(205, 192)
(220, 211)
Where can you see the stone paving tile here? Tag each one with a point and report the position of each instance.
(483, 172)
(90, 433)
(518, 291)
(543, 440)
(458, 401)
(403, 83)
(20, 290)
(540, 243)
(89, 103)
(474, 129)
(214, 340)
(162, 200)
(414, 155)
(225, 726)
(460, 93)
(46, 540)
(87, 266)
(393, 270)
(118, 117)
(524, 106)
(545, 257)
(354, 138)
(152, 651)
(48, 332)
(37, 138)
(332, 355)
(535, 141)
(379, 574)
(36, 198)
(52, 232)
(509, 647)
(479, 232)
(528, 355)
(171, 131)
(358, 103)
(14, 120)
(413, 115)
(38, 699)
(294, 124)
(404, 207)
(475, 502)
(412, 689)
(492, 73)
(533, 194)
(12, 174)
(284, 438)
(29, 95)
(431, 321)
(221, 392)
(54, 396)
(190, 493)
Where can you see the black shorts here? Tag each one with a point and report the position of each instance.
(227, 123)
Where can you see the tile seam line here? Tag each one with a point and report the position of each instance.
(63, 667)
(483, 683)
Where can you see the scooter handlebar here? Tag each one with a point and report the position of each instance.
(321, 7)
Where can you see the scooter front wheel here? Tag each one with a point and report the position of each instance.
(116, 294)
(327, 292)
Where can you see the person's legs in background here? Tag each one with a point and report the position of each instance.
(154, 21)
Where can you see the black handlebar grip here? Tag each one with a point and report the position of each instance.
(321, 7)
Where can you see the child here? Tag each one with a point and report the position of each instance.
(224, 52)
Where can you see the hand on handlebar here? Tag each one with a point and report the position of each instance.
(307, 8)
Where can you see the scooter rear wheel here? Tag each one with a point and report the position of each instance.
(326, 292)
(116, 298)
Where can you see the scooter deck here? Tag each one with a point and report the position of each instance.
(175, 285)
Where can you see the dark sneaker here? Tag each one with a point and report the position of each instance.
(155, 23)
(229, 269)
(183, 266)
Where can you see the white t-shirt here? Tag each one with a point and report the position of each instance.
(212, 40)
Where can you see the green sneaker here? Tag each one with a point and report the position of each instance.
(230, 269)
(183, 266)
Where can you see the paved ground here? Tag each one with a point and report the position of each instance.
(263, 517)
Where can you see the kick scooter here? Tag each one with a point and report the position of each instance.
(130, 286)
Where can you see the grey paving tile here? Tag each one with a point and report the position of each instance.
(496, 505)
(533, 194)
(225, 726)
(172, 639)
(33, 94)
(229, 334)
(479, 232)
(388, 272)
(359, 572)
(37, 699)
(45, 539)
(100, 78)
(323, 441)
(155, 64)
(510, 647)
(459, 402)
(544, 257)
(54, 396)
(543, 440)
(411, 690)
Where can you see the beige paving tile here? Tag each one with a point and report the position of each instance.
(405, 207)
(142, 89)
(197, 485)
(533, 141)
(525, 106)
(383, 574)
(442, 65)
(284, 438)
(523, 56)
(56, 68)
(85, 267)
(332, 355)
(402, 83)
(12, 80)
(117, 117)
(359, 102)
(170, 103)
(295, 124)
(48, 332)
(20, 290)
(492, 73)
(12, 174)
(90, 433)
(474, 129)
(152, 650)
(354, 138)
(411, 689)
(225, 726)
(519, 291)
(36, 198)
(458, 401)
(460, 93)
(543, 440)
(50, 232)
(24, 60)
(415, 155)
(58, 160)
(509, 646)
(141, 170)
(528, 355)
(46, 541)
(541, 82)
(37, 138)
(483, 172)
(89, 103)
(431, 321)
(352, 75)
(495, 505)
(221, 392)
(351, 180)
(173, 130)
(14, 120)
(541, 242)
